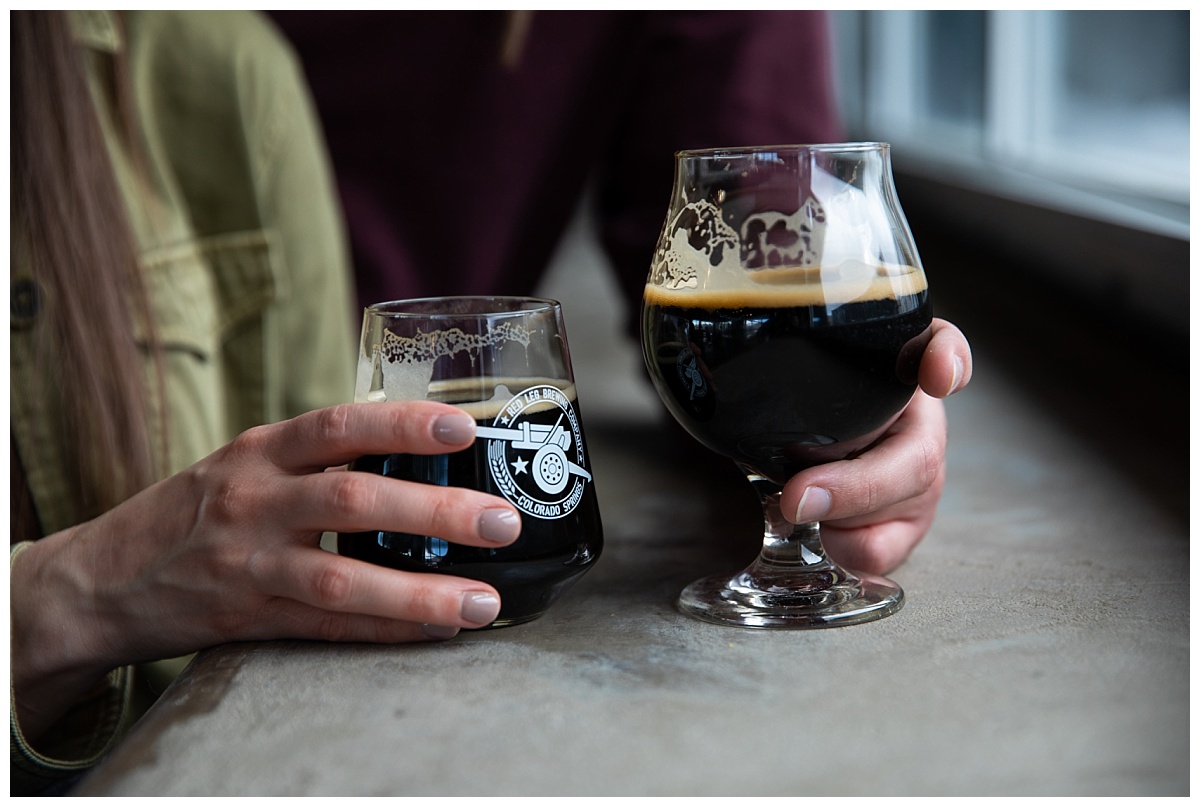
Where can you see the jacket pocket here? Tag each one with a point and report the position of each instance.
(204, 290)
(208, 301)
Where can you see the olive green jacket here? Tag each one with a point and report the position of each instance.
(243, 253)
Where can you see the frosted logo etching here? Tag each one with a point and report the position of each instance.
(429, 346)
(775, 239)
(696, 239)
(699, 249)
(535, 453)
(399, 368)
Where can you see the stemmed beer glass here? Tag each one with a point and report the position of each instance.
(783, 322)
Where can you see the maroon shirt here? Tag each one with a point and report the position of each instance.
(458, 174)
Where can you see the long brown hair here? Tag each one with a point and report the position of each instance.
(71, 232)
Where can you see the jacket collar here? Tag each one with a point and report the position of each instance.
(99, 30)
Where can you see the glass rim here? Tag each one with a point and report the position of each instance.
(852, 147)
(459, 306)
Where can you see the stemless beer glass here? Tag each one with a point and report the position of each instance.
(783, 322)
(505, 361)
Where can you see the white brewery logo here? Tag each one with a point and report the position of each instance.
(539, 467)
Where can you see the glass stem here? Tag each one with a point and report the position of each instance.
(787, 546)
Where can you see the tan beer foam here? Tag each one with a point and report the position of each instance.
(793, 286)
(454, 391)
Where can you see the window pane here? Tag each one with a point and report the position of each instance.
(1095, 103)
(955, 60)
(1125, 88)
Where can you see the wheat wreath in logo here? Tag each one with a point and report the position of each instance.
(535, 453)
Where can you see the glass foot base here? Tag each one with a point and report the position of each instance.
(836, 598)
(508, 622)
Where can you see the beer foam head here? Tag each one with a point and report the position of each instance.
(485, 398)
(793, 286)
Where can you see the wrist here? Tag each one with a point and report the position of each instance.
(55, 658)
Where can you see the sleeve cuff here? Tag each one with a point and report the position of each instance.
(78, 741)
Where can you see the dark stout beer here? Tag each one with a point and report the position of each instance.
(783, 377)
(530, 450)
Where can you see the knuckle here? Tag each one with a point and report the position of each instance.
(442, 515)
(332, 424)
(248, 444)
(876, 554)
(874, 549)
(229, 500)
(333, 585)
(261, 567)
(871, 495)
(351, 494)
(932, 464)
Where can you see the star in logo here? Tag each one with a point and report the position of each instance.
(520, 466)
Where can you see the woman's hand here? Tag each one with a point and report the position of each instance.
(229, 549)
(877, 506)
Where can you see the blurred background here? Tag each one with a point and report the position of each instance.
(1061, 137)
(1042, 158)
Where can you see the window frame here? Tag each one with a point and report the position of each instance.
(1013, 149)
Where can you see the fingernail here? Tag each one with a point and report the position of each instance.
(814, 503)
(479, 607)
(454, 429)
(439, 631)
(499, 526)
(958, 374)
